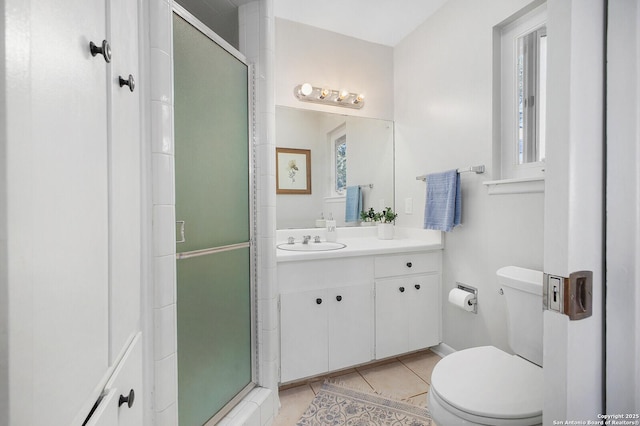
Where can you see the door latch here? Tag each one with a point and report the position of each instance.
(572, 296)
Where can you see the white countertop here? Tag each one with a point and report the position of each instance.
(362, 241)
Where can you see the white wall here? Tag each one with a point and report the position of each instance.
(323, 58)
(443, 118)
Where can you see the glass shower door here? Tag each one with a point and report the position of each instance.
(212, 211)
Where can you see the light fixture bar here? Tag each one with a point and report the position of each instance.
(307, 93)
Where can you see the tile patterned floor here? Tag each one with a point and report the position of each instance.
(406, 377)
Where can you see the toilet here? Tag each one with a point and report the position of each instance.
(487, 386)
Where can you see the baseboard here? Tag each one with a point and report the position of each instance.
(443, 349)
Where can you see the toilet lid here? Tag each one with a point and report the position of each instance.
(488, 382)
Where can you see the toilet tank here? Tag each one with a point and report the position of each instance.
(523, 295)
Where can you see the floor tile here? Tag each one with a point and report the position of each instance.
(419, 400)
(353, 380)
(422, 364)
(294, 403)
(394, 379)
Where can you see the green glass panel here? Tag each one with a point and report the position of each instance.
(212, 198)
(212, 142)
(214, 333)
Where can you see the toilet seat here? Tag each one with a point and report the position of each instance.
(485, 385)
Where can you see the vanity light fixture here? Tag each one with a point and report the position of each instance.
(307, 93)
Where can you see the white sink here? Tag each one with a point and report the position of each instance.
(311, 246)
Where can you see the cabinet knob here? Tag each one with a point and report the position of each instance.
(409, 264)
(104, 50)
(129, 82)
(127, 399)
(417, 286)
(401, 289)
(318, 301)
(338, 298)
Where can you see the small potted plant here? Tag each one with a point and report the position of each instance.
(387, 220)
(367, 217)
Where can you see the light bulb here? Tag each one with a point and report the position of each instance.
(343, 94)
(358, 99)
(324, 93)
(306, 89)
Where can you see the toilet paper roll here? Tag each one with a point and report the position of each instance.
(462, 299)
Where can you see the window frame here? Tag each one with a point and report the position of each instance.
(510, 168)
(333, 137)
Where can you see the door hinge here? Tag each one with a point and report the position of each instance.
(572, 296)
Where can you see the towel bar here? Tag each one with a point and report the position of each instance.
(476, 169)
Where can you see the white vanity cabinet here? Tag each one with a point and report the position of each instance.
(407, 308)
(326, 315)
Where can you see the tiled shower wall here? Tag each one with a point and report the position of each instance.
(257, 44)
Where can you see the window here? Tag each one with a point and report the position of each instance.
(523, 75)
(531, 95)
(340, 156)
(337, 143)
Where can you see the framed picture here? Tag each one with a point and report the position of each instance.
(293, 171)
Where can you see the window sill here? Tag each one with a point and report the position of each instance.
(515, 186)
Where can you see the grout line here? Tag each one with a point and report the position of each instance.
(409, 368)
(365, 380)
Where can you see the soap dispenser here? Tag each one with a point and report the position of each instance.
(332, 235)
(321, 223)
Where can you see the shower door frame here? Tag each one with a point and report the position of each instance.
(209, 33)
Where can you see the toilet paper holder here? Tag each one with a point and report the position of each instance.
(473, 290)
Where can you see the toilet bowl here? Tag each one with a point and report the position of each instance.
(486, 385)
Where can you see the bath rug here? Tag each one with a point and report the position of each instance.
(337, 405)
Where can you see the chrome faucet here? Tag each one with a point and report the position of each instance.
(305, 239)
(291, 240)
(316, 239)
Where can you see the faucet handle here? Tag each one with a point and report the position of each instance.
(316, 239)
(291, 240)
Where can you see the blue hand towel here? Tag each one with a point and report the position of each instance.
(444, 201)
(353, 204)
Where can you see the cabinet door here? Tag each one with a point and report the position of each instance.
(106, 414)
(127, 382)
(122, 404)
(424, 311)
(350, 314)
(59, 182)
(303, 319)
(392, 317)
(124, 178)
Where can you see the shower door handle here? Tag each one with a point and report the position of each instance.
(182, 237)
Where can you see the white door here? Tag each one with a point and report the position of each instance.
(573, 361)
(350, 316)
(623, 229)
(61, 236)
(303, 319)
(392, 317)
(424, 311)
(124, 178)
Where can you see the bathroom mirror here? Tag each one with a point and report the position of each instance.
(345, 151)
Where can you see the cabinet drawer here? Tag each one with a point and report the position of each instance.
(126, 383)
(407, 263)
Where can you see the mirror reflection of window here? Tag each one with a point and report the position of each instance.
(340, 154)
(531, 94)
